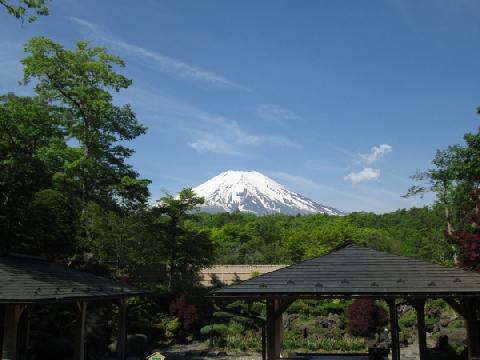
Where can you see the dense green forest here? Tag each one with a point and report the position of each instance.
(240, 238)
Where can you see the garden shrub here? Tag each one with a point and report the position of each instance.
(294, 341)
(187, 313)
(408, 319)
(364, 317)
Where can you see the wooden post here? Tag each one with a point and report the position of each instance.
(264, 343)
(274, 324)
(275, 309)
(10, 331)
(79, 351)
(392, 305)
(122, 329)
(28, 327)
(419, 305)
(472, 325)
(272, 334)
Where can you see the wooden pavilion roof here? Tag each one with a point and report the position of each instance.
(352, 270)
(31, 281)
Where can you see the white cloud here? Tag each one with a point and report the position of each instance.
(367, 174)
(376, 153)
(166, 63)
(276, 113)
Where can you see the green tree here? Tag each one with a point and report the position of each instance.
(81, 83)
(123, 240)
(25, 9)
(32, 153)
(183, 244)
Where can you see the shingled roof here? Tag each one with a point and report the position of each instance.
(353, 270)
(29, 281)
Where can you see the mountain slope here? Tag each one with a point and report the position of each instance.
(251, 191)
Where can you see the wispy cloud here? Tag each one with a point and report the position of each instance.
(206, 132)
(166, 63)
(376, 153)
(305, 183)
(277, 114)
(364, 198)
(366, 174)
(227, 136)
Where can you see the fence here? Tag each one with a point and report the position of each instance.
(209, 276)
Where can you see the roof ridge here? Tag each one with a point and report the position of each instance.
(326, 270)
(339, 247)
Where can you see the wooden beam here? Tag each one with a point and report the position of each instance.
(419, 305)
(282, 305)
(122, 329)
(274, 323)
(79, 351)
(392, 305)
(457, 306)
(10, 331)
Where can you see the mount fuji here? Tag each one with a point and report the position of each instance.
(251, 191)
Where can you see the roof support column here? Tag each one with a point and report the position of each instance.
(275, 309)
(392, 305)
(122, 329)
(264, 342)
(79, 351)
(419, 305)
(472, 325)
(10, 331)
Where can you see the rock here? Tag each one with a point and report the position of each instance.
(216, 353)
(446, 319)
(137, 345)
(456, 337)
(112, 348)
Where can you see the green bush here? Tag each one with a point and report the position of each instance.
(297, 307)
(250, 341)
(214, 329)
(171, 325)
(408, 319)
(294, 341)
(235, 327)
(457, 324)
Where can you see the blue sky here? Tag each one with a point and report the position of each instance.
(340, 101)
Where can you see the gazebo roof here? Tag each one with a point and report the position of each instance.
(30, 281)
(353, 270)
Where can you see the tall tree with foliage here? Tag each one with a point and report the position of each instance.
(81, 82)
(183, 244)
(455, 178)
(25, 9)
(35, 212)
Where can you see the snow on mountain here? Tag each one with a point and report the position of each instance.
(251, 191)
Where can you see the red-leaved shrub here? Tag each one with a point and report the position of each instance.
(468, 243)
(187, 313)
(364, 317)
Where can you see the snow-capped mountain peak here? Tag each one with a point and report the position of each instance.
(251, 191)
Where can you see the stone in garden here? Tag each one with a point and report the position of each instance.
(137, 345)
